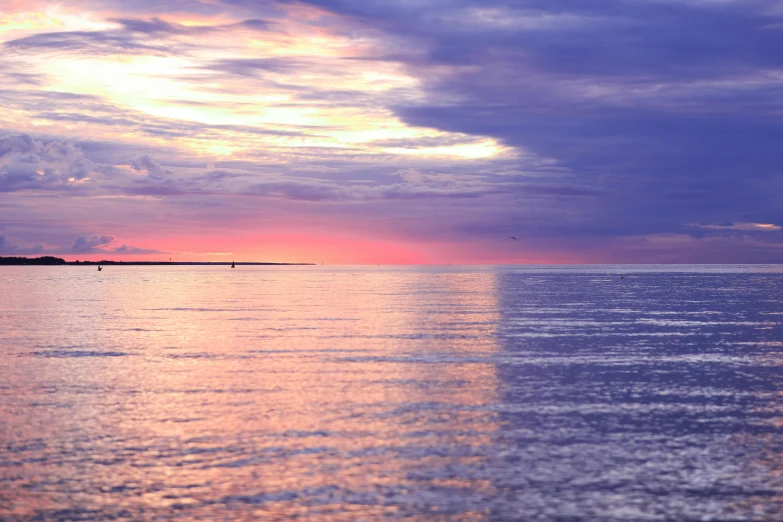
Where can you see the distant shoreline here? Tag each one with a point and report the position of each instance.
(56, 261)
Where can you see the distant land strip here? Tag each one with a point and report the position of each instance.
(49, 260)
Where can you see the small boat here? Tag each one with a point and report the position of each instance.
(100, 268)
(233, 265)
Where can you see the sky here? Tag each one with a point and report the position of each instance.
(406, 131)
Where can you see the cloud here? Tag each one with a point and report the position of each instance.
(156, 26)
(15, 246)
(406, 184)
(743, 227)
(91, 42)
(87, 244)
(26, 163)
(91, 243)
(153, 36)
(107, 244)
(251, 67)
(256, 24)
(148, 166)
(132, 250)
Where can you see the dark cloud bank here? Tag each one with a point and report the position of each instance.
(673, 107)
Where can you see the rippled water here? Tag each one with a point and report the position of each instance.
(439, 393)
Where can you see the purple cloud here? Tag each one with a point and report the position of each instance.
(26, 163)
(148, 166)
(107, 244)
(15, 246)
(85, 244)
(652, 103)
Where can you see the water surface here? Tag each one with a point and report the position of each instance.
(423, 393)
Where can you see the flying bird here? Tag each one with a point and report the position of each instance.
(512, 237)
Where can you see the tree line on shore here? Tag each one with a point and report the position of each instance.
(45, 260)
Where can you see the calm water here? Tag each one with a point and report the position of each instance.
(448, 393)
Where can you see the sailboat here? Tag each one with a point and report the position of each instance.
(233, 265)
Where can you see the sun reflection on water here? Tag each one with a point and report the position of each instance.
(266, 392)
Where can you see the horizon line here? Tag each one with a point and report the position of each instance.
(58, 261)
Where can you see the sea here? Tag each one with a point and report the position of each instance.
(540, 393)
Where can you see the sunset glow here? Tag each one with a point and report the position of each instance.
(368, 134)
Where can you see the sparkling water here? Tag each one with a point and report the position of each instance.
(365, 393)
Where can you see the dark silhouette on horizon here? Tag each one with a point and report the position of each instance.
(45, 260)
(50, 260)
